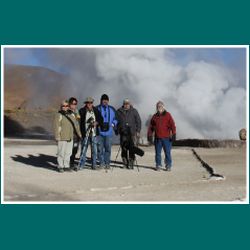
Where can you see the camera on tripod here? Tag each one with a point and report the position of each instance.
(91, 122)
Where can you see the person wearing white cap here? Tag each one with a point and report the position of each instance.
(129, 127)
(163, 127)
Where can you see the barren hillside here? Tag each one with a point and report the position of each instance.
(31, 96)
(28, 87)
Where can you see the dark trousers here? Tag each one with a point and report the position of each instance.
(74, 151)
(127, 143)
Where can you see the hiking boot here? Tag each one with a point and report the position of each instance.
(131, 163)
(168, 168)
(77, 168)
(60, 170)
(107, 166)
(125, 162)
(158, 168)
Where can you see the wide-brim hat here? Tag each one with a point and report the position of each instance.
(89, 99)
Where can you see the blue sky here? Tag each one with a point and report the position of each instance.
(26, 56)
(232, 58)
(228, 56)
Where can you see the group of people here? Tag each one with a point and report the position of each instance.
(95, 126)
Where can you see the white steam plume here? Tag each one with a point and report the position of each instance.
(205, 98)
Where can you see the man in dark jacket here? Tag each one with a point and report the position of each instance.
(76, 140)
(129, 127)
(90, 122)
(163, 126)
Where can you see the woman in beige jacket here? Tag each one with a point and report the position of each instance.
(65, 125)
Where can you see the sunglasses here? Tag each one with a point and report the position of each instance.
(75, 103)
(89, 102)
(65, 106)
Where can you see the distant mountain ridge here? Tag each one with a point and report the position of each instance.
(32, 87)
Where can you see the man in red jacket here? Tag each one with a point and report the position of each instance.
(162, 125)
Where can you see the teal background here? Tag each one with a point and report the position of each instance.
(124, 226)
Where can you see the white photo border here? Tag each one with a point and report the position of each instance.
(3, 202)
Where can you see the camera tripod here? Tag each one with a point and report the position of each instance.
(127, 166)
(88, 134)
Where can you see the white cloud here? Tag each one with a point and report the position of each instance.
(205, 98)
(201, 95)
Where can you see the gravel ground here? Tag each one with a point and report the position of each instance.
(29, 175)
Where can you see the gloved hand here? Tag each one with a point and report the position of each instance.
(138, 134)
(150, 140)
(116, 130)
(173, 138)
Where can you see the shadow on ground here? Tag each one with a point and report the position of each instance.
(50, 162)
(119, 164)
(40, 161)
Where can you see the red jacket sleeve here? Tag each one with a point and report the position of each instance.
(172, 124)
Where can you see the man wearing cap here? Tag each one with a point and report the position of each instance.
(106, 131)
(129, 127)
(163, 127)
(90, 121)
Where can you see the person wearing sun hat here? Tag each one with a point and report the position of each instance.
(65, 125)
(90, 122)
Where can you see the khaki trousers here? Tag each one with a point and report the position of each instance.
(64, 151)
